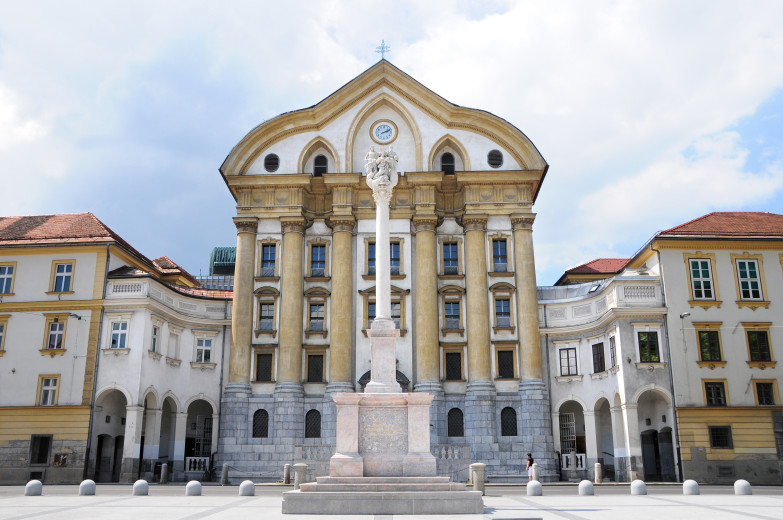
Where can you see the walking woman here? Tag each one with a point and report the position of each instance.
(529, 467)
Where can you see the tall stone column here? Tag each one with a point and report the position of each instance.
(477, 311)
(527, 298)
(242, 317)
(152, 425)
(621, 462)
(340, 321)
(480, 427)
(591, 443)
(131, 449)
(289, 364)
(633, 441)
(180, 434)
(426, 325)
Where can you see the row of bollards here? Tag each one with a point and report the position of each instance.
(638, 487)
(140, 488)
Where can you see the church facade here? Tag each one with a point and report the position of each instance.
(462, 267)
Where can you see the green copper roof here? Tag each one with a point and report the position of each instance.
(222, 260)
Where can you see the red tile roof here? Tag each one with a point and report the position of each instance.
(734, 224)
(600, 266)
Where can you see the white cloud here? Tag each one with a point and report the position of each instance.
(14, 128)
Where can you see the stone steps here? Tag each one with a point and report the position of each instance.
(383, 503)
(382, 480)
(380, 488)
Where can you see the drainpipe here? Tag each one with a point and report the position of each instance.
(669, 365)
(95, 371)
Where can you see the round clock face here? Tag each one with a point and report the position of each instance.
(383, 131)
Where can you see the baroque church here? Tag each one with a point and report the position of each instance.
(462, 267)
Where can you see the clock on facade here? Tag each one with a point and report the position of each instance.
(383, 131)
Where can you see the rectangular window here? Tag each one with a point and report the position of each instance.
(715, 393)
(317, 317)
(503, 312)
(48, 396)
(40, 445)
(450, 258)
(612, 352)
(499, 256)
(318, 261)
(155, 346)
(6, 279)
(394, 257)
(56, 334)
(173, 351)
(451, 315)
(395, 313)
(119, 334)
(648, 347)
(758, 345)
(701, 279)
(709, 345)
(505, 361)
(749, 279)
(371, 258)
(315, 368)
(2, 334)
(454, 366)
(203, 350)
(599, 364)
(268, 254)
(266, 316)
(62, 277)
(264, 367)
(765, 394)
(720, 437)
(568, 362)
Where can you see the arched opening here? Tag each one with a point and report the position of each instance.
(447, 163)
(168, 429)
(508, 422)
(313, 424)
(198, 438)
(108, 436)
(656, 437)
(572, 437)
(604, 438)
(320, 165)
(456, 424)
(260, 424)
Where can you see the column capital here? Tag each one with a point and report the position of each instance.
(588, 413)
(293, 224)
(523, 221)
(246, 224)
(425, 222)
(474, 222)
(342, 223)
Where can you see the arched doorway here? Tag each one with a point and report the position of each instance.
(572, 436)
(654, 412)
(605, 438)
(108, 436)
(198, 438)
(168, 429)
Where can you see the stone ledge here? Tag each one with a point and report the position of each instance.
(383, 503)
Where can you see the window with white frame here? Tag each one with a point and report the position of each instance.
(701, 279)
(599, 364)
(48, 391)
(119, 334)
(318, 260)
(62, 277)
(499, 255)
(648, 346)
(155, 343)
(568, 365)
(6, 278)
(450, 258)
(268, 257)
(3, 323)
(203, 350)
(612, 352)
(749, 279)
(56, 334)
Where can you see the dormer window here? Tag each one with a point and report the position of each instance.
(447, 163)
(320, 165)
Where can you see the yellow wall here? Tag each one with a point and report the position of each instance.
(751, 431)
(62, 422)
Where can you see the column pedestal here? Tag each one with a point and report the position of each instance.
(536, 421)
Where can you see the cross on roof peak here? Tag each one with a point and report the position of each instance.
(382, 49)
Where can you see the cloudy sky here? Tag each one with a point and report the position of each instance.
(649, 113)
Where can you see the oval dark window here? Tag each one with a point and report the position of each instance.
(271, 162)
(495, 158)
(320, 165)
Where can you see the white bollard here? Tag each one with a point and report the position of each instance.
(536, 472)
(690, 487)
(164, 473)
(599, 475)
(586, 488)
(87, 487)
(224, 475)
(742, 487)
(193, 489)
(638, 487)
(477, 469)
(300, 474)
(34, 488)
(247, 488)
(534, 489)
(141, 488)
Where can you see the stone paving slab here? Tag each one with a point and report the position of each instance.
(223, 503)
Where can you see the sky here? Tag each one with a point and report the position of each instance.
(649, 113)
